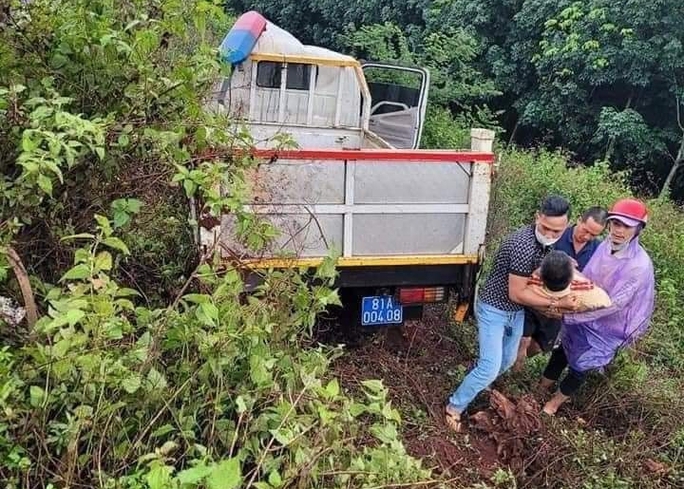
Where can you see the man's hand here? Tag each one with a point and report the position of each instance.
(535, 279)
(554, 315)
(568, 302)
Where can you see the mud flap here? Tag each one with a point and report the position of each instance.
(468, 289)
(461, 312)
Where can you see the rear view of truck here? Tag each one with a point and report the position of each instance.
(408, 224)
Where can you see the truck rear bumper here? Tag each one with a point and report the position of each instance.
(356, 282)
(397, 276)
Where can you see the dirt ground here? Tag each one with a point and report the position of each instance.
(423, 362)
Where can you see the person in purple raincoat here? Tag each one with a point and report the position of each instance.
(590, 340)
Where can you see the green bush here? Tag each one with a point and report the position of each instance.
(208, 392)
(147, 369)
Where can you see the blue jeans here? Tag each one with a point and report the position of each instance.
(499, 334)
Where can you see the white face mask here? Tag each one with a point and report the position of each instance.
(543, 240)
(619, 247)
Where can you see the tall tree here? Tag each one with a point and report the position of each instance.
(596, 77)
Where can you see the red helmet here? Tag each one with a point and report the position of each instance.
(631, 212)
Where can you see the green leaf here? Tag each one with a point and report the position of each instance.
(374, 385)
(45, 184)
(356, 409)
(52, 166)
(78, 272)
(257, 370)
(240, 404)
(325, 414)
(121, 219)
(81, 256)
(194, 475)
(203, 318)
(116, 244)
(156, 380)
(73, 316)
(386, 433)
(283, 436)
(197, 298)
(125, 304)
(84, 411)
(104, 224)
(210, 310)
(61, 348)
(227, 474)
(390, 413)
(58, 61)
(163, 430)
(133, 205)
(132, 383)
(100, 152)
(189, 187)
(126, 292)
(327, 268)
(123, 140)
(27, 144)
(274, 479)
(103, 261)
(333, 388)
(159, 477)
(37, 395)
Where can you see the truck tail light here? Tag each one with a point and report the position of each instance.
(421, 295)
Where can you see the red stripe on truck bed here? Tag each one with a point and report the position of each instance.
(424, 155)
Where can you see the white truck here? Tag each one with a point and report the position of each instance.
(409, 223)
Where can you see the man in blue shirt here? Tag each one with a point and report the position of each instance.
(579, 242)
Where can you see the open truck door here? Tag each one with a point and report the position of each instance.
(398, 102)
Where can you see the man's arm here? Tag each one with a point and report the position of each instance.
(520, 293)
(619, 298)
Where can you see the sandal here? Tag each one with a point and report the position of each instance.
(453, 420)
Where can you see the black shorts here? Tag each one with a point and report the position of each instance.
(542, 329)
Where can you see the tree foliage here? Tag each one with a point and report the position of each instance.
(573, 72)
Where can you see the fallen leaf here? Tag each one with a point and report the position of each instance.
(656, 467)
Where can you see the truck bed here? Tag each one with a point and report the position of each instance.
(375, 206)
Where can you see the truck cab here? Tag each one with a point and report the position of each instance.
(321, 98)
(409, 223)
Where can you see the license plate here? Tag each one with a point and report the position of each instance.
(381, 309)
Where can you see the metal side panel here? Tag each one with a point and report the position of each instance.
(370, 206)
(295, 182)
(411, 183)
(412, 234)
(301, 235)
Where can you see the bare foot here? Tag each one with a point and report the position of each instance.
(551, 407)
(453, 419)
(546, 384)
